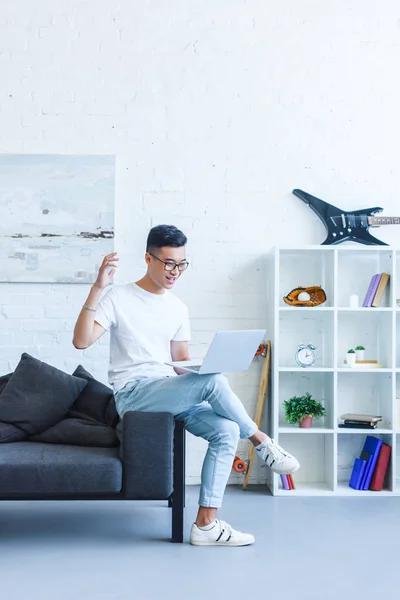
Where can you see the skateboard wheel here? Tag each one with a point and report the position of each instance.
(239, 465)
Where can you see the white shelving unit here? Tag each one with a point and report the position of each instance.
(326, 452)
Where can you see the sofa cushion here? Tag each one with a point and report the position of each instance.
(35, 469)
(95, 402)
(78, 432)
(37, 395)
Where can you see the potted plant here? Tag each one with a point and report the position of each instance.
(351, 358)
(302, 410)
(360, 352)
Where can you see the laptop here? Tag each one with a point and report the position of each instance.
(229, 351)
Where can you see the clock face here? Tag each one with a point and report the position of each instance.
(305, 357)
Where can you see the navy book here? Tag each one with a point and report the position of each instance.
(357, 474)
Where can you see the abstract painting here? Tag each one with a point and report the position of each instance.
(56, 216)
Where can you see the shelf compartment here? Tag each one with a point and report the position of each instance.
(349, 447)
(396, 416)
(343, 489)
(306, 328)
(316, 461)
(365, 393)
(397, 463)
(355, 270)
(397, 339)
(303, 268)
(306, 489)
(373, 330)
(318, 384)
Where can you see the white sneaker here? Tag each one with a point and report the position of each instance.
(276, 458)
(221, 534)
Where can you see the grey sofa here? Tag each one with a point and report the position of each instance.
(145, 463)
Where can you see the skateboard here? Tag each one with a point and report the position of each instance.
(240, 465)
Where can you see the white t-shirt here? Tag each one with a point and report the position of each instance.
(141, 326)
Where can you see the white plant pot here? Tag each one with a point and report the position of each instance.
(360, 354)
(351, 359)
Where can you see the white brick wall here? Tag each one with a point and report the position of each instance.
(214, 112)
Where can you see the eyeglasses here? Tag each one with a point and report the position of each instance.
(170, 265)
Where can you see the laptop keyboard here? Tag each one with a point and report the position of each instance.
(195, 368)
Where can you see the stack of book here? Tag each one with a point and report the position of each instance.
(287, 482)
(358, 421)
(370, 468)
(376, 289)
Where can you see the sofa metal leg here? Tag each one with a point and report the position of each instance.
(178, 498)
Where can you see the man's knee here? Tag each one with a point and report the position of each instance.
(229, 432)
(216, 381)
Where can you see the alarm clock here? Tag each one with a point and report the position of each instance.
(305, 355)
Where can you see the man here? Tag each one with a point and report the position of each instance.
(148, 327)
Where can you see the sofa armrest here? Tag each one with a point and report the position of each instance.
(146, 451)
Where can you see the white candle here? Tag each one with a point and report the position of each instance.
(354, 301)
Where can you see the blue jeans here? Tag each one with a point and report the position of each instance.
(209, 409)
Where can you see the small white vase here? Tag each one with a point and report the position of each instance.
(360, 354)
(351, 359)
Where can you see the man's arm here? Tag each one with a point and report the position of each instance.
(87, 330)
(179, 351)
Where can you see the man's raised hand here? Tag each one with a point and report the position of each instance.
(107, 270)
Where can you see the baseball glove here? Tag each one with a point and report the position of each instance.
(317, 296)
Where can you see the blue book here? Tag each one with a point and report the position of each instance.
(370, 453)
(358, 472)
(367, 467)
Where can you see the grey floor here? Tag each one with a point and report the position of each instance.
(322, 548)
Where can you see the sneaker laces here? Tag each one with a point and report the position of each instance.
(276, 451)
(225, 528)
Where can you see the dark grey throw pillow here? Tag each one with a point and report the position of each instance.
(10, 433)
(37, 395)
(78, 432)
(96, 402)
(4, 380)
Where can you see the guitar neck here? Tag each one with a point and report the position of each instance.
(376, 221)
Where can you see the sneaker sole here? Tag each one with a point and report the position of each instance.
(220, 544)
(287, 472)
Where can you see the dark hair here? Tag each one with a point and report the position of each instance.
(165, 235)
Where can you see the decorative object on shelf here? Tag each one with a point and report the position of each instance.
(305, 355)
(360, 353)
(351, 358)
(315, 295)
(364, 364)
(287, 482)
(342, 225)
(381, 467)
(354, 301)
(376, 289)
(364, 466)
(380, 290)
(302, 410)
(357, 421)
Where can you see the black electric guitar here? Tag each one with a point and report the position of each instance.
(342, 225)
